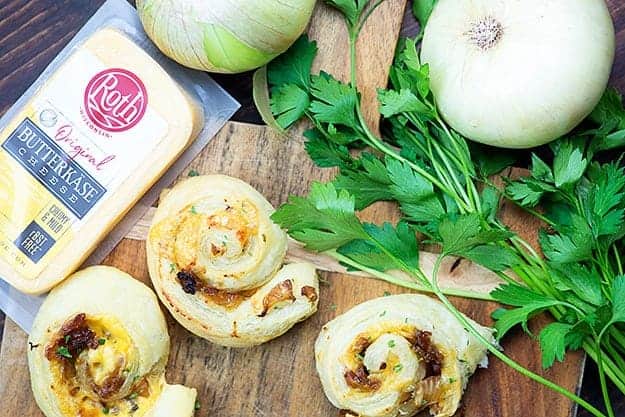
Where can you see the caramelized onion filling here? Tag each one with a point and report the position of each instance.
(420, 342)
(427, 351)
(192, 284)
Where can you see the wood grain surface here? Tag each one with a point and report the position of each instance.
(277, 379)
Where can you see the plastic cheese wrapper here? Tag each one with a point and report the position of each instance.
(88, 148)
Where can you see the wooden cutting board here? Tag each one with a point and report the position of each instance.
(278, 379)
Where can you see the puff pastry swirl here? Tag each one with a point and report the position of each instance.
(396, 356)
(99, 346)
(215, 259)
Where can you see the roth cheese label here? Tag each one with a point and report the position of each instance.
(78, 139)
(115, 100)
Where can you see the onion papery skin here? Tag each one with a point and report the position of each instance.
(542, 74)
(216, 261)
(131, 342)
(388, 325)
(225, 36)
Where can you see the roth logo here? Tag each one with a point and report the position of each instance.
(115, 100)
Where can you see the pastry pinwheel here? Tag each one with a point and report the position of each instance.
(396, 356)
(99, 346)
(216, 261)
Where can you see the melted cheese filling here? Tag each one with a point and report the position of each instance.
(115, 357)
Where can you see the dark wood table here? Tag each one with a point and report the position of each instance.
(32, 32)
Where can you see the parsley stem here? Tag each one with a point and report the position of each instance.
(448, 172)
(494, 350)
(372, 139)
(600, 365)
(459, 186)
(465, 170)
(534, 258)
(425, 132)
(505, 277)
(615, 355)
(407, 284)
(619, 338)
(617, 256)
(533, 282)
(366, 16)
(384, 148)
(617, 376)
(605, 267)
(529, 210)
(464, 202)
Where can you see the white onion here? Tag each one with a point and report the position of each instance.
(226, 36)
(518, 73)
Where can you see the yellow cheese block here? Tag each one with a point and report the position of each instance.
(92, 140)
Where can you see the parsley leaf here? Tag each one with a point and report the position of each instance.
(609, 110)
(540, 170)
(416, 196)
(367, 254)
(578, 334)
(569, 163)
(494, 257)
(490, 161)
(369, 184)
(563, 248)
(335, 102)
(324, 153)
(293, 67)
(526, 191)
(618, 299)
(289, 103)
(460, 234)
(409, 57)
(289, 77)
(553, 342)
(329, 223)
(386, 248)
(455, 233)
(599, 319)
(582, 281)
(408, 185)
(517, 295)
(400, 242)
(605, 203)
(409, 74)
(529, 303)
(490, 203)
(393, 102)
(64, 352)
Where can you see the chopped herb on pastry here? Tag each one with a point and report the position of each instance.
(216, 262)
(397, 356)
(99, 346)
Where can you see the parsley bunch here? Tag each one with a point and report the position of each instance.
(441, 183)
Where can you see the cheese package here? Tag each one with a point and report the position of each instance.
(99, 130)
